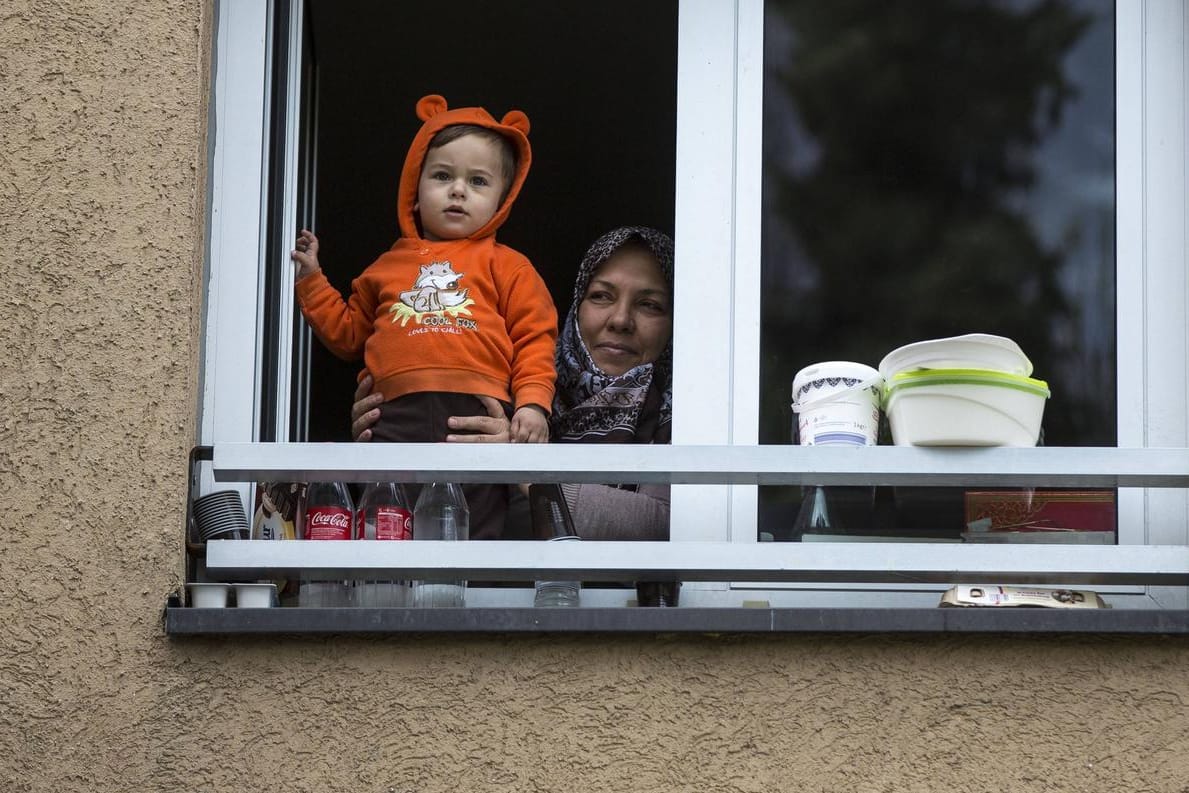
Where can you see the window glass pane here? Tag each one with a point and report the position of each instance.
(934, 170)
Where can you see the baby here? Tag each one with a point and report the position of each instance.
(447, 313)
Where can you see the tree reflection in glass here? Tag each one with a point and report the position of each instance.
(939, 168)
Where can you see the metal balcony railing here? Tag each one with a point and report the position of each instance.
(706, 465)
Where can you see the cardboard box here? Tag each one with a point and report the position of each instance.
(1040, 510)
(276, 517)
(996, 596)
(1041, 537)
(276, 514)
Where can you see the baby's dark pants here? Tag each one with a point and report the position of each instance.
(421, 418)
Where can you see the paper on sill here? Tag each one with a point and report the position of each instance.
(992, 595)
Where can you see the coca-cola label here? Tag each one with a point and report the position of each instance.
(328, 523)
(392, 523)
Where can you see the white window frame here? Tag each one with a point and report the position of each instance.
(717, 235)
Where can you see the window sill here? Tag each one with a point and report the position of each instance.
(232, 621)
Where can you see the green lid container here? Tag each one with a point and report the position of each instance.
(902, 381)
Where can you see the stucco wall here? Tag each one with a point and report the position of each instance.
(102, 123)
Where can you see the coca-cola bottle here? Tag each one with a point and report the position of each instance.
(383, 514)
(329, 515)
(441, 514)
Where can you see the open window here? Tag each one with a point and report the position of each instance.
(599, 91)
(740, 154)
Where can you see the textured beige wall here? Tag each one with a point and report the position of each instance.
(102, 118)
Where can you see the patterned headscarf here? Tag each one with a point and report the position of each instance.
(592, 406)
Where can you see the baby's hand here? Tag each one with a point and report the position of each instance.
(529, 425)
(306, 255)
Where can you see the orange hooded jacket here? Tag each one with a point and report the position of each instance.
(467, 316)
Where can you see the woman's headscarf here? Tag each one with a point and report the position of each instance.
(592, 406)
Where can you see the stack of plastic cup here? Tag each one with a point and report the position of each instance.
(221, 516)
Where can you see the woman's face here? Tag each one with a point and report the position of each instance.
(626, 316)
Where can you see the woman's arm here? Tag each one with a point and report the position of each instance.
(602, 512)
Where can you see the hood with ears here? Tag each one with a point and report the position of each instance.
(433, 111)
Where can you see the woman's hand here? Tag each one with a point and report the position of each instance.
(492, 428)
(366, 410)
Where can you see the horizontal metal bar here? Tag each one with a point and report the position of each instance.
(731, 465)
(895, 563)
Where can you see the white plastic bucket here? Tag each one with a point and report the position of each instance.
(837, 404)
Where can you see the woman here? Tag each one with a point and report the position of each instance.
(614, 380)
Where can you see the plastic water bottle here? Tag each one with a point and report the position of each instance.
(441, 514)
(329, 515)
(815, 515)
(382, 514)
(558, 593)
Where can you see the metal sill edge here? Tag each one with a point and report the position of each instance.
(181, 621)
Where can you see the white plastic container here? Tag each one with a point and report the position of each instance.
(208, 595)
(971, 351)
(837, 404)
(965, 407)
(255, 596)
